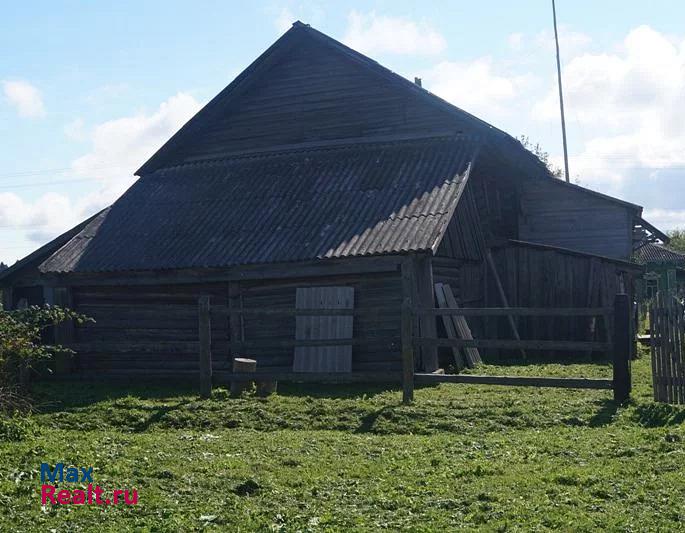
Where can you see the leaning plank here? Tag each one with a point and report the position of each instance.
(503, 297)
(449, 327)
(472, 353)
(519, 381)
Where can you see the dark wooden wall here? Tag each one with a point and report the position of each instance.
(314, 95)
(143, 329)
(538, 277)
(557, 215)
(154, 329)
(495, 193)
(462, 244)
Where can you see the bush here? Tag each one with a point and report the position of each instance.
(21, 346)
(16, 428)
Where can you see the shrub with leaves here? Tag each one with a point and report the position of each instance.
(21, 346)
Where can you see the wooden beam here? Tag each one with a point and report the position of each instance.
(450, 329)
(518, 381)
(407, 333)
(424, 290)
(205, 334)
(622, 341)
(503, 297)
(519, 311)
(304, 269)
(313, 377)
(472, 354)
(235, 320)
(529, 344)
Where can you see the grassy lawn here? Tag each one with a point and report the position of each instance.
(353, 458)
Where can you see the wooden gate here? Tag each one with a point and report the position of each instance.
(667, 328)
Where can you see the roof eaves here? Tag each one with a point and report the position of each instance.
(48, 249)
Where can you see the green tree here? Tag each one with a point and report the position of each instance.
(543, 156)
(21, 341)
(677, 239)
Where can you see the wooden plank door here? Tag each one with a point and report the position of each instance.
(323, 358)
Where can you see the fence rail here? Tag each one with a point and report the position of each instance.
(409, 340)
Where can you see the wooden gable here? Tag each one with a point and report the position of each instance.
(310, 89)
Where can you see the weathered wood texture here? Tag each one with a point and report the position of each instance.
(562, 216)
(312, 95)
(463, 239)
(151, 328)
(667, 330)
(205, 334)
(516, 381)
(323, 358)
(539, 278)
(460, 328)
(622, 340)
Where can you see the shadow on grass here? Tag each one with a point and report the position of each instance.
(336, 390)
(53, 396)
(62, 395)
(605, 415)
(659, 415)
(368, 422)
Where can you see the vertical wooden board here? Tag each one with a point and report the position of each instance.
(462, 328)
(449, 326)
(323, 358)
(678, 374)
(654, 339)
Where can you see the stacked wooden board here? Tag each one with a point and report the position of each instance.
(456, 328)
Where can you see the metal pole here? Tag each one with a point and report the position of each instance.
(561, 95)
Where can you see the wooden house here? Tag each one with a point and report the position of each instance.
(664, 270)
(318, 178)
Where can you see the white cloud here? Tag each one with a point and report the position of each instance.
(571, 43)
(284, 20)
(631, 101)
(624, 108)
(76, 129)
(666, 219)
(24, 97)
(43, 219)
(516, 41)
(475, 86)
(370, 33)
(118, 148)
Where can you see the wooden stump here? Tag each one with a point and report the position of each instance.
(242, 365)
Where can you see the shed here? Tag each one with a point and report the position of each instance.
(317, 176)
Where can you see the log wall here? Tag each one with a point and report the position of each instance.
(149, 329)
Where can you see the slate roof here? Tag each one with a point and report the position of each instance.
(342, 201)
(656, 253)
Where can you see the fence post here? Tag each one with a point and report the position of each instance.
(407, 333)
(205, 334)
(622, 329)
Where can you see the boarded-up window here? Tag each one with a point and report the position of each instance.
(324, 358)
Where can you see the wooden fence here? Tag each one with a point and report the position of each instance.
(667, 331)
(620, 345)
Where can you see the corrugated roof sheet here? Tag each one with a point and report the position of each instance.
(656, 253)
(346, 201)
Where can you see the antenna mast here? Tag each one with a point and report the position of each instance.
(561, 94)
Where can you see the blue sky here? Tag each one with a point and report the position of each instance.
(88, 90)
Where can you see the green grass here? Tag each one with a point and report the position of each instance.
(316, 458)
